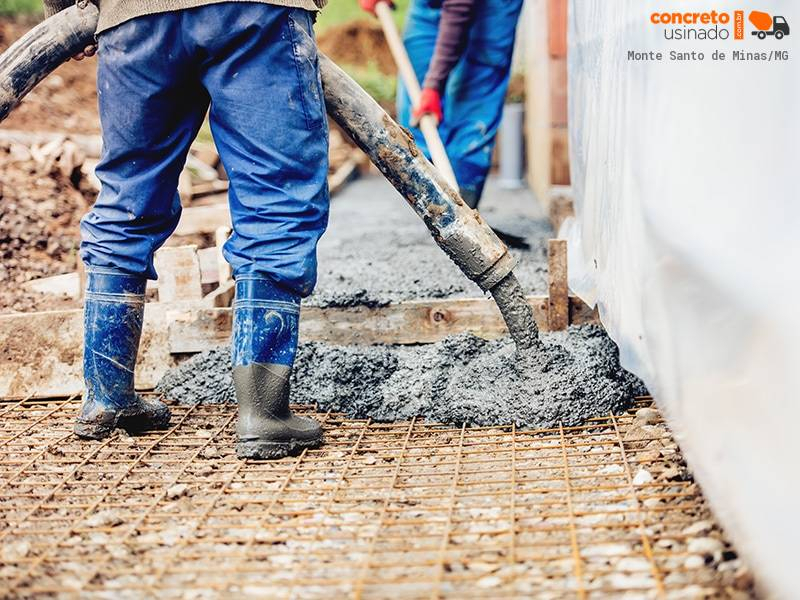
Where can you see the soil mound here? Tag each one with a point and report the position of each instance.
(357, 43)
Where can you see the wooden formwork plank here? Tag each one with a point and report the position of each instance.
(92, 145)
(347, 171)
(40, 353)
(411, 322)
(546, 97)
(203, 219)
(558, 290)
(179, 274)
(538, 99)
(561, 206)
(224, 271)
(557, 28)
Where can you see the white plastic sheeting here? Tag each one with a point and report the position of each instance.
(687, 236)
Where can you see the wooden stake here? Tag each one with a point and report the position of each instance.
(221, 236)
(179, 276)
(561, 206)
(558, 289)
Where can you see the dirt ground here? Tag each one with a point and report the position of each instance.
(358, 43)
(38, 227)
(65, 101)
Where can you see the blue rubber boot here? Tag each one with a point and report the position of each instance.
(112, 315)
(265, 326)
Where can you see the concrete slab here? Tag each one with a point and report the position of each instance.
(376, 250)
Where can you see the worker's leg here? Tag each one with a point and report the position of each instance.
(150, 113)
(269, 123)
(475, 94)
(419, 37)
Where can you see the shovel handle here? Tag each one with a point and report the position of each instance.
(427, 123)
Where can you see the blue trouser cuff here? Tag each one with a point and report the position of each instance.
(114, 286)
(252, 290)
(266, 319)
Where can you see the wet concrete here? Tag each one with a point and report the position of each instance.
(377, 251)
(571, 377)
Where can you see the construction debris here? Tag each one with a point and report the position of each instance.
(43, 196)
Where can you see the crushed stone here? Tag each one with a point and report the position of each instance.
(463, 379)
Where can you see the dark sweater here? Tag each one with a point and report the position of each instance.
(450, 43)
(114, 12)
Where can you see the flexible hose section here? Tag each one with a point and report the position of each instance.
(516, 312)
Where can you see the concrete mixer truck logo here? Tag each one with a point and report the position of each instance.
(715, 25)
(766, 25)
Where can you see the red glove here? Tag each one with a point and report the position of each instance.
(430, 103)
(369, 5)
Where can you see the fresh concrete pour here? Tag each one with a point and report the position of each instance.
(376, 251)
(571, 377)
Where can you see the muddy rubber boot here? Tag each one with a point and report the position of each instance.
(113, 313)
(265, 325)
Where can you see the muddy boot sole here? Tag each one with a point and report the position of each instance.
(145, 422)
(95, 430)
(106, 422)
(272, 450)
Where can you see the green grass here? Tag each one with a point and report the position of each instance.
(20, 7)
(342, 11)
(337, 11)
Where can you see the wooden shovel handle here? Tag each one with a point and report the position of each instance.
(427, 123)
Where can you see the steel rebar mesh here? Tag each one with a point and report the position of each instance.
(400, 510)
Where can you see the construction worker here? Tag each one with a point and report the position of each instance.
(161, 63)
(461, 50)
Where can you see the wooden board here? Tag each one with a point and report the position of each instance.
(92, 145)
(203, 219)
(546, 97)
(179, 274)
(537, 101)
(40, 353)
(558, 290)
(561, 206)
(346, 172)
(411, 322)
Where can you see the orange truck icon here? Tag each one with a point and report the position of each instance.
(766, 25)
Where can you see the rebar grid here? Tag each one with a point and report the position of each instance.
(400, 510)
